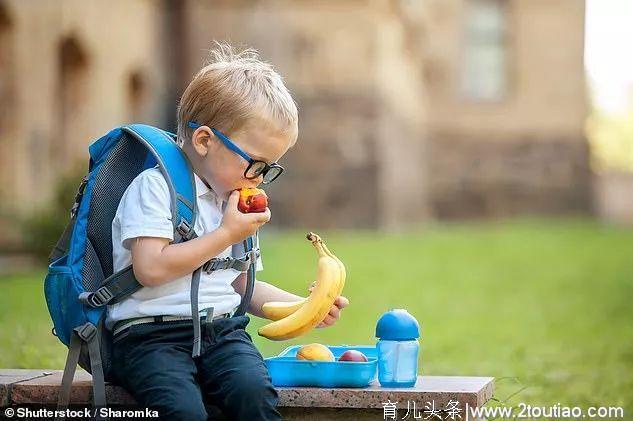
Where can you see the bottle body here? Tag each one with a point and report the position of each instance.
(397, 362)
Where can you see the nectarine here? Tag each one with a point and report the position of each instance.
(353, 355)
(252, 201)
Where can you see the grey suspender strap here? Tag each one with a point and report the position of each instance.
(98, 380)
(241, 264)
(69, 373)
(195, 315)
(248, 244)
(87, 334)
(246, 262)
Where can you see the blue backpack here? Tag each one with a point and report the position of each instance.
(80, 282)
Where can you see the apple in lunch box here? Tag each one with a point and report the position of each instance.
(353, 355)
(252, 200)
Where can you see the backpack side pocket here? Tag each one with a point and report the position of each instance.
(58, 286)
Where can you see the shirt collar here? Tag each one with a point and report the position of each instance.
(201, 187)
(203, 190)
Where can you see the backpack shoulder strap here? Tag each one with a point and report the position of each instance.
(177, 170)
(178, 173)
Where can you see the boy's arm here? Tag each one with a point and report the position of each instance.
(265, 292)
(262, 293)
(156, 262)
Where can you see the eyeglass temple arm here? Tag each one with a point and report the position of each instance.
(229, 144)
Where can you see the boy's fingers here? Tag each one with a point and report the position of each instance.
(257, 217)
(264, 216)
(341, 302)
(261, 219)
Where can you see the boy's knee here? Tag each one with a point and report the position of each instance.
(181, 410)
(254, 389)
(174, 403)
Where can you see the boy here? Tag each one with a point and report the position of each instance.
(236, 119)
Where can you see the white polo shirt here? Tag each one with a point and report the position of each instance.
(144, 211)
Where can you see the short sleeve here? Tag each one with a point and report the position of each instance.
(144, 210)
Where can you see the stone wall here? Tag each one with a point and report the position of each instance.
(332, 176)
(480, 177)
(386, 137)
(524, 152)
(360, 98)
(75, 70)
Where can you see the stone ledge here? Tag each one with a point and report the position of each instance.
(20, 387)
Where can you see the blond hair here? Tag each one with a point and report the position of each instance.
(233, 88)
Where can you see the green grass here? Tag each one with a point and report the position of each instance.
(543, 306)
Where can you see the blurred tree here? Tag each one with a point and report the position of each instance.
(611, 139)
(42, 228)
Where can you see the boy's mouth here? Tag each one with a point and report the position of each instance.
(248, 186)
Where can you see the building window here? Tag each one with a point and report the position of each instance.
(136, 96)
(73, 95)
(7, 108)
(484, 71)
(6, 69)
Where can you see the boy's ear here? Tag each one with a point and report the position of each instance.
(201, 140)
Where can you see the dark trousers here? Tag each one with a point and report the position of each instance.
(153, 362)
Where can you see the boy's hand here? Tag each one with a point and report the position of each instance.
(238, 225)
(335, 311)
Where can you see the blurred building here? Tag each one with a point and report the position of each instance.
(408, 109)
(359, 160)
(507, 107)
(69, 71)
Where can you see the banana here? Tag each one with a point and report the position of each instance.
(341, 265)
(277, 310)
(329, 280)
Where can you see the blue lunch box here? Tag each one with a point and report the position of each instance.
(286, 370)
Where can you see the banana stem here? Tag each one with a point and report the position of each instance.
(313, 237)
(318, 244)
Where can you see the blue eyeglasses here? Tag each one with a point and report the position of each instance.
(255, 168)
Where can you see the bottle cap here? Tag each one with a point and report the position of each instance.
(397, 325)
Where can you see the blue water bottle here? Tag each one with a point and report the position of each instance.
(397, 332)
